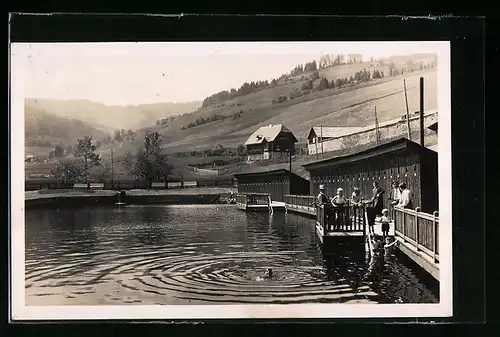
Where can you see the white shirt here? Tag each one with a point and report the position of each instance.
(404, 199)
(396, 194)
(384, 219)
(356, 198)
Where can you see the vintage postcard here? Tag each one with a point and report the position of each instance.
(230, 180)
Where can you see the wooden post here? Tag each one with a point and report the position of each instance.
(434, 233)
(404, 224)
(421, 113)
(112, 171)
(407, 111)
(322, 149)
(316, 144)
(417, 211)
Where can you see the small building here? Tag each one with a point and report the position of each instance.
(319, 134)
(400, 160)
(434, 127)
(355, 58)
(278, 183)
(269, 142)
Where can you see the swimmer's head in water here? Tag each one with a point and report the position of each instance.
(270, 272)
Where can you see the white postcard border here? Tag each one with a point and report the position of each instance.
(19, 311)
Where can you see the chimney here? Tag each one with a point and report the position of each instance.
(422, 111)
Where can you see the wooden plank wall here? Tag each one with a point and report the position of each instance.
(276, 185)
(384, 169)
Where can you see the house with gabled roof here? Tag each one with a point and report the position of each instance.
(319, 134)
(269, 142)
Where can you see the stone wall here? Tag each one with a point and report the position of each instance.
(390, 131)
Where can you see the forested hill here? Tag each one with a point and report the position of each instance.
(112, 116)
(43, 129)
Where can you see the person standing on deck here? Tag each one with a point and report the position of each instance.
(357, 203)
(395, 194)
(405, 198)
(376, 205)
(324, 201)
(322, 198)
(356, 198)
(385, 223)
(338, 202)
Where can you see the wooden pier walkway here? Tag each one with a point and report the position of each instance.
(257, 202)
(417, 232)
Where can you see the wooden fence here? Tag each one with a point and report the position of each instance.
(39, 184)
(249, 199)
(340, 218)
(300, 200)
(419, 229)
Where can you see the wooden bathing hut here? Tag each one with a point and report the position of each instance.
(400, 160)
(268, 185)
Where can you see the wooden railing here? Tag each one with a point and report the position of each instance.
(345, 218)
(419, 229)
(125, 184)
(253, 199)
(300, 200)
(340, 218)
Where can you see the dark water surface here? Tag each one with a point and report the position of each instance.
(202, 255)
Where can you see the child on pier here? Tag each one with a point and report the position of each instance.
(385, 222)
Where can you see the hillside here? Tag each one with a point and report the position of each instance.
(106, 117)
(350, 106)
(237, 118)
(43, 131)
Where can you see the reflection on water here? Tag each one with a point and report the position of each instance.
(200, 255)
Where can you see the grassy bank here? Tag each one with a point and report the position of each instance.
(44, 194)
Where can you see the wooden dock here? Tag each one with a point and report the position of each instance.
(258, 202)
(418, 234)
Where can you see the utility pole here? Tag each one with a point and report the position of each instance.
(421, 112)
(407, 111)
(112, 171)
(316, 144)
(322, 149)
(377, 134)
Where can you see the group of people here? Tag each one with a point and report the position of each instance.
(400, 196)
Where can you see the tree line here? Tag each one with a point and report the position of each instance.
(214, 117)
(149, 163)
(313, 85)
(325, 61)
(307, 67)
(246, 88)
(219, 150)
(203, 120)
(165, 121)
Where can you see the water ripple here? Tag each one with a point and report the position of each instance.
(191, 255)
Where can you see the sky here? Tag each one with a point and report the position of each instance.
(152, 72)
